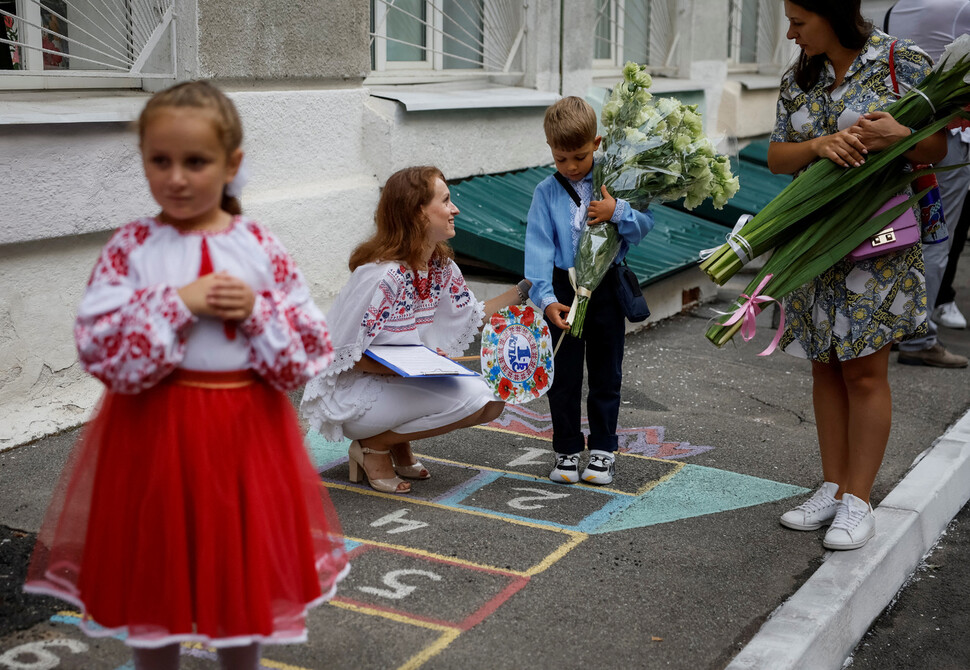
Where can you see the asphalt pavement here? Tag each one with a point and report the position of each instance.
(926, 624)
(680, 564)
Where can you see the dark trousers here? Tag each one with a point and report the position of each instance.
(602, 348)
(947, 294)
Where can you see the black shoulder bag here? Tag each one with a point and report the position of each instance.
(628, 291)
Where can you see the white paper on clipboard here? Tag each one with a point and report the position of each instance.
(416, 360)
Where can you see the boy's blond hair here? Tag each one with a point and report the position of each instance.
(569, 124)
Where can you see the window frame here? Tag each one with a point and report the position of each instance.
(614, 64)
(431, 69)
(768, 56)
(33, 76)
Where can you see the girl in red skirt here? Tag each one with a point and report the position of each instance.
(189, 509)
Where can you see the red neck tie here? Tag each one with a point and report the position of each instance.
(205, 267)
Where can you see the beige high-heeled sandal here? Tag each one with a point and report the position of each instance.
(358, 470)
(414, 471)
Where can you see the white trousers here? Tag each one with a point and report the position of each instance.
(415, 404)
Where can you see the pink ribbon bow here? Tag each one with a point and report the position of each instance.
(748, 313)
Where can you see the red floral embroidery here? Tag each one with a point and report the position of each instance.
(285, 314)
(133, 347)
(281, 269)
(541, 379)
(113, 262)
(504, 388)
(528, 317)
(422, 285)
(140, 233)
(119, 261)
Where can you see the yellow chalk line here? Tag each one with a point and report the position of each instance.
(441, 557)
(448, 633)
(429, 503)
(541, 566)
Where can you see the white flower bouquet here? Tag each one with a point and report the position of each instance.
(652, 151)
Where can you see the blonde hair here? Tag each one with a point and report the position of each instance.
(569, 124)
(205, 96)
(401, 223)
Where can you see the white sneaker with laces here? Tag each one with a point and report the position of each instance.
(566, 470)
(601, 467)
(854, 525)
(948, 315)
(817, 511)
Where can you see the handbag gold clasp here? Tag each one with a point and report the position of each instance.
(884, 236)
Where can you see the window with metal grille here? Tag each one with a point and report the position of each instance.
(90, 38)
(756, 35)
(642, 31)
(470, 36)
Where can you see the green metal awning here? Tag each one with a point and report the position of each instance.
(494, 210)
(755, 152)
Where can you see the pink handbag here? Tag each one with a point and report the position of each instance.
(903, 232)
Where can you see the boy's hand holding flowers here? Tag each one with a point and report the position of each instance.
(557, 312)
(601, 211)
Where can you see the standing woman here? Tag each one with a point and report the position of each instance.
(845, 320)
(405, 289)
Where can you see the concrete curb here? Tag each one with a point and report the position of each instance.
(820, 625)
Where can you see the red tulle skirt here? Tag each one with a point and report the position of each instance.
(191, 511)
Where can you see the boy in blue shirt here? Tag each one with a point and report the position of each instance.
(556, 221)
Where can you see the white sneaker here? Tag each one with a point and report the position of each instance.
(601, 467)
(566, 470)
(853, 526)
(948, 315)
(817, 511)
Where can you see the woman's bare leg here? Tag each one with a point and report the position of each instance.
(402, 454)
(831, 403)
(870, 419)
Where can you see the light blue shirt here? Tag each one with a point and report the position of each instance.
(552, 236)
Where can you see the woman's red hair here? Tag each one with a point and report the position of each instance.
(401, 225)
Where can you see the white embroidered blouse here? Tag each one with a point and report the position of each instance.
(380, 304)
(133, 329)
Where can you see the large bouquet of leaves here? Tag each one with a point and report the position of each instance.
(828, 210)
(652, 151)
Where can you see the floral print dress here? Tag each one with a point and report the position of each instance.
(854, 308)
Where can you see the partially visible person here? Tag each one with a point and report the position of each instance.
(947, 313)
(189, 509)
(557, 218)
(846, 319)
(405, 289)
(933, 24)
